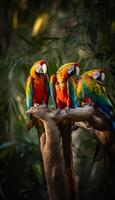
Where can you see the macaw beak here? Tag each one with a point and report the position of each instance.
(41, 69)
(102, 76)
(44, 68)
(77, 70)
(96, 75)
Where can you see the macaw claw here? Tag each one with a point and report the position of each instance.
(67, 109)
(58, 111)
(36, 105)
(44, 105)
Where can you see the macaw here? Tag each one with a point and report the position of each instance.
(63, 92)
(63, 86)
(37, 87)
(90, 89)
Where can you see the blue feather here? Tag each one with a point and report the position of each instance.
(29, 92)
(71, 86)
(52, 88)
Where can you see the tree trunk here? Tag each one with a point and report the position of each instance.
(94, 121)
(53, 161)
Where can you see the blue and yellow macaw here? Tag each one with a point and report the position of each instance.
(37, 87)
(91, 90)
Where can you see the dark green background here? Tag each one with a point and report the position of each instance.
(76, 30)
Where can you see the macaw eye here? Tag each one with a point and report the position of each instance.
(77, 71)
(102, 76)
(44, 68)
(70, 69)
(96, 75)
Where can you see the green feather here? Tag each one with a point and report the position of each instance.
(93, 89)
(52, 88)
(71, 87)
(47, 87)
(29, 92)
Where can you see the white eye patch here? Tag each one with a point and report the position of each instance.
(38, 67)
(71, 68)
(96, 75)
(39, 71)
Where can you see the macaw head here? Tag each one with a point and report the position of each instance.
(39, 68)
(67, 70)
(97, 74)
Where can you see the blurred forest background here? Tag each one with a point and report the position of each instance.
(58, 31)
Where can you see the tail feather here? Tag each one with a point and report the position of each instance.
(109, 112)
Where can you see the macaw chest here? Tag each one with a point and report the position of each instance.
(39, 89)
(61, 91)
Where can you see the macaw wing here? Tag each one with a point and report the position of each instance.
(29, 92)
(88, 87)
(47, 87)
(53, 80)
(72, 92)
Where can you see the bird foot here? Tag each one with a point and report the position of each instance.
(58, 110)
(67, 109)
(44, 105)
(36, 105)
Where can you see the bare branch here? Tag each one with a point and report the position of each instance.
(96, 118)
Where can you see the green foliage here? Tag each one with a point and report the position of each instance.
(21, 172)
(81, 31)
(93, 179)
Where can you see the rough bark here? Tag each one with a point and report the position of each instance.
(106, 140)
(95, 118)
(53, 160)
(66, 130)
(94, 121)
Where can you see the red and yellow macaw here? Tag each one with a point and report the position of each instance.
(63, 92)
(63, 86)
(37, 87)
(91, 90)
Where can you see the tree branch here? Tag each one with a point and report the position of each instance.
(96, 118)
(52, 159)
(94, 121)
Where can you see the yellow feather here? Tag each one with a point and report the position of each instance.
(90, 72)
(62, 72)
